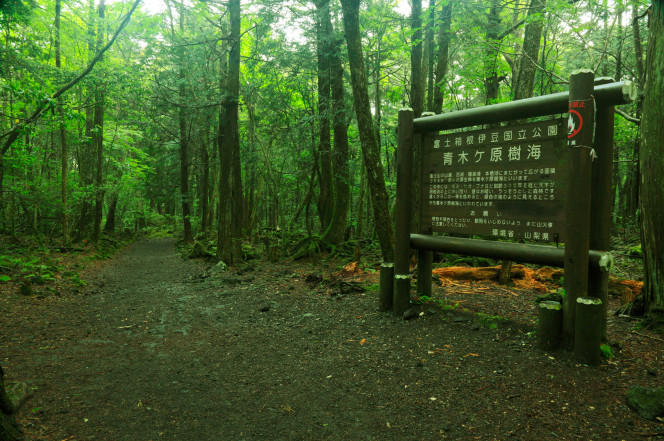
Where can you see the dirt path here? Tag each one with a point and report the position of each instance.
(161, 349)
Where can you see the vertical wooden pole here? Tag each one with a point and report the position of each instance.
(386, 294)
(587, 330)
(424, 257)
(403, 211)
(600, 202)
(580, 150)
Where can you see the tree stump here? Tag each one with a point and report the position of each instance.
(588, 330)
(549, 327)
(386, 286)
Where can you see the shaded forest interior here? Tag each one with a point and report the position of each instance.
(273, 124)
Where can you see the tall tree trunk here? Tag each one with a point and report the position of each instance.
(652, 165)
(491, 80)
(370, 152)
(234, 76)
(63, 131)
(325, 201)
(377, 91)
(337, 229)
(430, 53)
(185, 196)
(525, 78)
(631, 199)
(99, 133)
(86, 161)
(225, 158)
(230, 152)
(204, 175)
(109, 227)
(443, 55)
(416, 78)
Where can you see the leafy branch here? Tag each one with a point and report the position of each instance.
(14, 133)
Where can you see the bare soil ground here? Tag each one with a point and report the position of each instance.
(161, 348)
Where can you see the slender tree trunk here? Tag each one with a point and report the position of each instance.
(109, 227)
(416, 78)
(370, 152)
(225, 155)
(631, 200)
(337, 231)
(491, 80)
(63, 131)
(377, 90)
(430, 53)
(234, 77)
(204, 175)
(185, 196)
(525, 79)
(99, 134)
(443, 55)
(652, 165)
(325, 201)
(86, 158)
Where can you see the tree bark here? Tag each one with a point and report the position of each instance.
(491, 80)
(430, 53)
(229, 245)
(651, 163)
(62, 130)
(223, 212)
(204, 175)
(185, 197)
(325, 201)
(99, 133)
(109, 227)
(336, 231)
(525, 79)
(443, 55)
(416, 78)
(370, 152)
(86, 154)
(234, 89)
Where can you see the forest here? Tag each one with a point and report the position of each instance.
(268, 129)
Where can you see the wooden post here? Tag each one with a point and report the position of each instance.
(587, 335)
(386, 286)
(403, 211)
(401, 285)
(601, 200)
(424, 257)
(580, 151)
(424, 272)
(549, 326)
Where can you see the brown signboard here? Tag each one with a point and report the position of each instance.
(504, 182)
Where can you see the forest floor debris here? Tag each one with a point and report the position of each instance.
(152, 350)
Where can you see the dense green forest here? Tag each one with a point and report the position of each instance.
(275, 121)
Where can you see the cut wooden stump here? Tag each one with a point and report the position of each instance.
(386, 286)
(587, 330)
(549, 327)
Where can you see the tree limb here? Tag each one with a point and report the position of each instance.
(14, 133)
(627, 116)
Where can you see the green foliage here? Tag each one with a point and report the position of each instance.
(635, 250)
(606, 351)
(5, 278)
